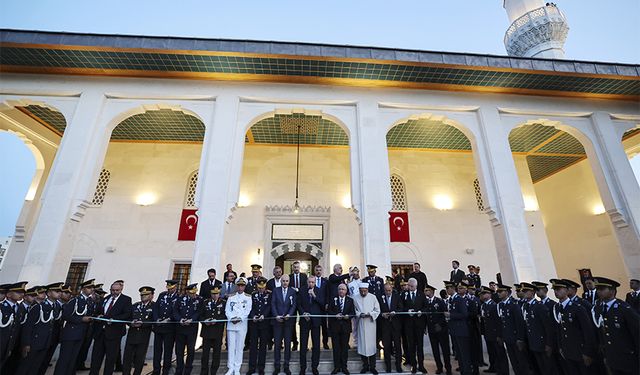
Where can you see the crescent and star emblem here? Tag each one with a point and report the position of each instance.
(191, 217)
(395, 222)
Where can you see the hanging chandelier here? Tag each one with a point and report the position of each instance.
(296, 206)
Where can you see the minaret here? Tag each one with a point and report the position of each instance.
(538, 29)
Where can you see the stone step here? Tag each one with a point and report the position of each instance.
(325, 354)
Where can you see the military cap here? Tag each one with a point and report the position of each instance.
(88, 284)
(55, 286)
(539, 284)
(215, 290)
(18, 287)
(4, 288)
(471, 266)
(485, 289)
(371, 267)
(635, 280)
(101, 292)
(559, 283)
(119, 282)
(146, 290)
(262, 282)
(605, 283)
(527, 286)
(502, 287)
(241, 281)
(32, 291)
(448, 284)
(98, 286)
(171, 283)
(403, 282)
(427, 286)
(389, 279)
(571, 283)
(463, 283)
(41, 289)
(517, 286)
(192, 288)
(66, 288)
(353, 269)
(256, 267)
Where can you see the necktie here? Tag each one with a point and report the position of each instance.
(413, 296)
(389, 302)
(228, 287)
(110, 305)
(284, 294)
(604, 309)
(341, 304)
(319, 282)
(212, 283)
(297, 282)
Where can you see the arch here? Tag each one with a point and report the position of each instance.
(631, 141)
(436, 118)
(39, 164)
(297, 246)
(306, 112)
(141, 109)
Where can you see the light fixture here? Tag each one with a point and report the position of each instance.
(530, 204)
(336, 252)
(243, 200)
(258, 251)
(442, 202)
(146, 199)
(346, 201)
(296, 206)
(599, 209)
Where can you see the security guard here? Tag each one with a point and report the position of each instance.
(259, 328)
(577, 341)
(164, 333)
(458, 316)
(54, 293)
(187, 310)
(36, 335)
(77, 315)
(256, 271)
(539, 330)
(10, 318)
(618, 326)
(513, 329)
(492, 329)
(467, 290)
(135, 349)
(438, 329)
(211, 331)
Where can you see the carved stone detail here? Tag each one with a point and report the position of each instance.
(306, 247)
(538, 30)
(617, 218)
(79, 210)
(276, 209)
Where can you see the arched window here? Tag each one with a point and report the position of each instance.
(101, 187)
(398, 194)
(478, 192)
(190, 196)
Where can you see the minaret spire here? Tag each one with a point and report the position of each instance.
(538, 29)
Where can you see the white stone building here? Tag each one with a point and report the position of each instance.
(517, 164)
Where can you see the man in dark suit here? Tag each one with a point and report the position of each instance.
(492, 329)
(77, 315)
(208, 284)
(343, 308)
(633, 297)
(135, 349)
(590, 294)
(310, 302)
(619, 329)
(391, 326)
(275, 281)
(457, 275)
(419, 276)
(413, 302)
(297, 281)
(335, 279)
(438, 329)
(228, 287)
(323, 285)
(108, 335)
(283, 308)
(458, 316)
(228, 272)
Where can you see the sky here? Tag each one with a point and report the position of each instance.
(599, 31)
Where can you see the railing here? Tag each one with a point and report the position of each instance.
(548, 12)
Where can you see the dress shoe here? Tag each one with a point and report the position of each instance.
(82, 367)
(399, 368)
(287, 371)
(325, 346)
(374, 371)
(251, 371)
(261, 372)
(364, 370)
(315, 371)
(276, 371)
(303, 371)
(439, 371)
(422, 369)
(413, 369)
(387, 368)
(294, 348)
(335, 371)
(482, 364)
(345, 371)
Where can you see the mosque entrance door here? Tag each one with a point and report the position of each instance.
(307, 262)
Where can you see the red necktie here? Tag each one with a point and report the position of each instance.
(110, 305)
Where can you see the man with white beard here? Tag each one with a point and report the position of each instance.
(367, 311)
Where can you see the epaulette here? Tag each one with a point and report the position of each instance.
(247, 294)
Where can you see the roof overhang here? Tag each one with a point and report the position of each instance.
(264, 61)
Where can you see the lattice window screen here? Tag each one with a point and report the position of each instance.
(190, 197)
(101, 187)
(398, 194)
(478, 192)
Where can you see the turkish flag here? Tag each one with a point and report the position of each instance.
(399, 226)
(188, 225)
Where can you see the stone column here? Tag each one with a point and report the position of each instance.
(49, 249)
(214, 185)
(618, 180)
(506, 205)
(375, 189)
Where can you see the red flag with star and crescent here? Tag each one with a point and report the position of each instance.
(188, 225)
(399, 226)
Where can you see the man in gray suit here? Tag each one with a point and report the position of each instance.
(228, 288)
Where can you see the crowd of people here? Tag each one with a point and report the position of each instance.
(529, 333)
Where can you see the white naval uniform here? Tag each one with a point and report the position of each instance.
(238, 306)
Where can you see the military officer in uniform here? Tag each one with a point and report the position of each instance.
(164, 333)
(577, 341)
(633, 297)
(212, 318)
(135, 349)
(467, 290)
(539, 330)
(438, 329)
(10, 318)
(492, 328)
(237, 310)
(54, 294)
(619, 328)
(473, 277)
(260, 328)
(187, 311)
(36, 335)
(391, 326)
(458, 317)
(256, 272)
(513, 329)
(77, 315)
